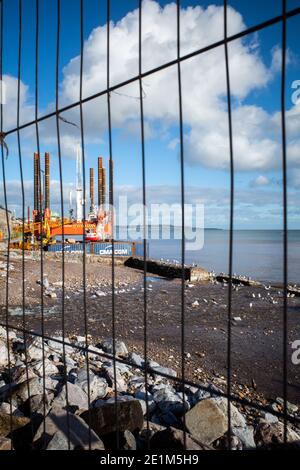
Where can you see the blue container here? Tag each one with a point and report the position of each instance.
(76, 247)
(125, 249)
(105, 249)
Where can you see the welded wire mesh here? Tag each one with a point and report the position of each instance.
(58, 115)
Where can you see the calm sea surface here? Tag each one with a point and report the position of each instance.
(257, 253)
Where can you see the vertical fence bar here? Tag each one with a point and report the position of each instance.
(8, 226)
(230, 226)
(112, 241)
(145, 223)
(182, 221)
(285, 217)
(23, 204)
(36, 111)
(62, 214)
(84, 212)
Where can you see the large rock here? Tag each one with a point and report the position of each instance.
(76, 397)
(169, 401)
(271, 435)
(136, 359)
(120, 347)
(103, 419)
(45, 367)
(237, 419)
(33, 387)
(38, 404)
(11, 423)
(96, 387)
(172, 439)
(22, 374)
(115, 379)
(62, 428)
(207, 421)
(35, 348)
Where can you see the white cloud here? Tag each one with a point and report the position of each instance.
(261, 180)
(173, 144)
(257, 143)
(294, 178)
(256, 132)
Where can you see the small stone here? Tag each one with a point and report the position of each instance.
(168, 401)
(270, 418)
(198, 396)
(5, 443)
(136, 382)
(129, 441)
(120, 347)
(164, 370)
(58, 346)
(3, 333)
(35, 348)
(52, 295)
(246, 436)
(141, 396)
(115, 379)
(291, 408)
(272, 436)
(45, 367)
(136, 359)
(97, 387)
(3, 353)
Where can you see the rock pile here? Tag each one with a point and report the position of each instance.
(56, 400)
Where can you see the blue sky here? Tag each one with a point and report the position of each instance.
(255, 96)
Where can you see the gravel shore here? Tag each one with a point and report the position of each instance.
(257, 324)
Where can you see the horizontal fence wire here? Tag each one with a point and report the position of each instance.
(180, 381)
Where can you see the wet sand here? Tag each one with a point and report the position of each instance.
(257, 339)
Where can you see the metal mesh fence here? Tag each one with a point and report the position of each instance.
(57, 114)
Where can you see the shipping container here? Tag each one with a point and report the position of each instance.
(121, 248)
